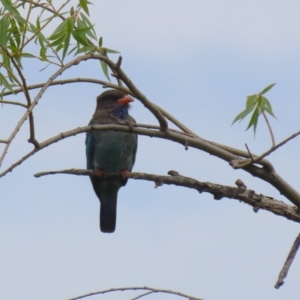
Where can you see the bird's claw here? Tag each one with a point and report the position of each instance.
(100, 173)
(125, 174)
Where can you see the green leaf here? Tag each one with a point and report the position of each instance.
(43, 52)
(80, 37)
(9, 7)
(70, 24)
(110, 50)
(38, 24)
(87, 22)
(15, 31)
(105, 69)
(45, 67)
(254, 119)
(243, 114)
(59, 41)
(73, 49)
(29, 55)
(84, 5)
(267, 107)
(267, 88)
(62, 27)
(66, 45)
(84, 49)
(251, 100)
(5, 83)
(4, 33)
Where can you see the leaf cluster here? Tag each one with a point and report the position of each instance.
(74, 34)
(258, 104)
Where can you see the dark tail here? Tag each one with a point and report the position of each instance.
(108, 211)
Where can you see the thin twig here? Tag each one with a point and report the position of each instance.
(23, 86)
(176, 122)
(250, 155)
(270, 128)
(32, 138)
(3, 141)
(288, 263)
(66, 81)
(25, 29)
(42, 5)
(257, 159)
(142, 295)
(118, 65)
(145, 288)
(13, 103)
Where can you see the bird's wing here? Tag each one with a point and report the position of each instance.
(90, 147)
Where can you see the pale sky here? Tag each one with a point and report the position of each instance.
(198, 60)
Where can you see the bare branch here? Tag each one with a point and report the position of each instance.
(257, 201)
(182, 138)
(27, 96)
(66, 81)
(250, 155)
(288, 263)
(176, 122)
(145, 288)
(13, 103)
(28, 99)
(3, 141)
(142, 295)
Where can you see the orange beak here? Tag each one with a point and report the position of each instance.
(125, 100)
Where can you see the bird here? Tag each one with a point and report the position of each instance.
(110, 152)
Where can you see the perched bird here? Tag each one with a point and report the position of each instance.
(110, 152)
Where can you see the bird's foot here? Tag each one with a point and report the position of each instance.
(124, 174)
(100, 173)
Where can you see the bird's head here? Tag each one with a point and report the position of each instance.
(113, 102)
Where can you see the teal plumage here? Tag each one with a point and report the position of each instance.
(110, 152)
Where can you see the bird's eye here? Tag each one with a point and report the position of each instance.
(108, 98)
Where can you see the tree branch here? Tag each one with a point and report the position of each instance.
(241, 193)
(142, 295)
(145, 288)
(13, 103)
(288, 263)
(182, 138)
